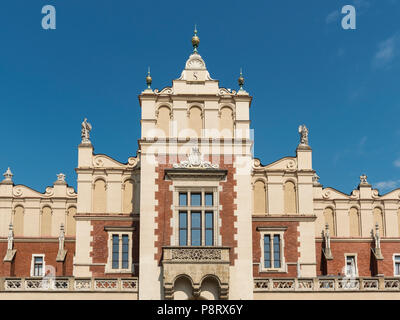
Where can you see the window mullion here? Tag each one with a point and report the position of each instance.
(271, 250)
(189, 227)
(120, 251)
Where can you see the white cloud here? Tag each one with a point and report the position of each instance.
(386, 51)
(396, 163)
(333, 16)
(387, 185)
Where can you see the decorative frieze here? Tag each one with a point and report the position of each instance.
(188, 254)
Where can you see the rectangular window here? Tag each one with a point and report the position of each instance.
(196, 216)
(115, 251)
(209, 228)
(183, 228)
(272, 253)
(183, 199)
(277, 252)
(209, 200)
(195, 200)
(125, 251)
(38, 267)
(267, 251)
(351, 266)
(397, 265)
(196, 228)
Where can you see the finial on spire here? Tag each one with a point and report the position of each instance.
(8, 176)
(241, 80)
(195, 40)
(148, 79)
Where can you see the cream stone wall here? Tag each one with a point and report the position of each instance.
(241, 274)
(307, 257)
(149, 271)
(100, 191)
(357, 213)
(34, 214)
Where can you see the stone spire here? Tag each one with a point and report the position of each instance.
(195, 67)
(149, 79)
(195, 40)
(241, 80)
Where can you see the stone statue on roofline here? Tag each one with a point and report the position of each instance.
(303, 131)
(85, 132)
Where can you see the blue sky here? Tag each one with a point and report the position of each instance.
(299, 64)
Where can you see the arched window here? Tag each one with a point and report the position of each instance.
(378, 219)
(354, 219)
(259, 197)
(329, 217)
(70, 222)
(195, 121)
(128, 196)
(18, 221)
(99, 197)
(183, 289)
(163, 120)
(290, 197)
(226, 122)
(45, 222)
(210, 289)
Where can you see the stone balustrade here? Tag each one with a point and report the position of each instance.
(196, 254)
(69, 284)
(327, 284)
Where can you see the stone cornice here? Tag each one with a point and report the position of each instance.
(37, 239)
(119, 228)
(193, 173)
(301, 218)
(106, 216)
(365, 240)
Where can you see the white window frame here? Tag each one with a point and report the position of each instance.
(271, 232)
(394, 264)
(38, 255)
(355, 264)
(203, 208)
(109, 268)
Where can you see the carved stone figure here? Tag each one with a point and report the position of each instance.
(315, 179)
(61, 238)
(10, 238)
(303, 131)
(85, 133)
(327, 237)
(61, 177)
(195, 160)
(363, 179)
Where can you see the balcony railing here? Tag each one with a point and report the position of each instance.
(69, 284)
(327, 284)
(196, 254)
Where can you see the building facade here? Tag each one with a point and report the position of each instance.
(193, 215)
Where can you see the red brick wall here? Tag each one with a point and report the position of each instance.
(21, 265)
(291, 249)
(164, 199)
(366, 262)
(164, 213)
(100, 246)
(227, 198)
